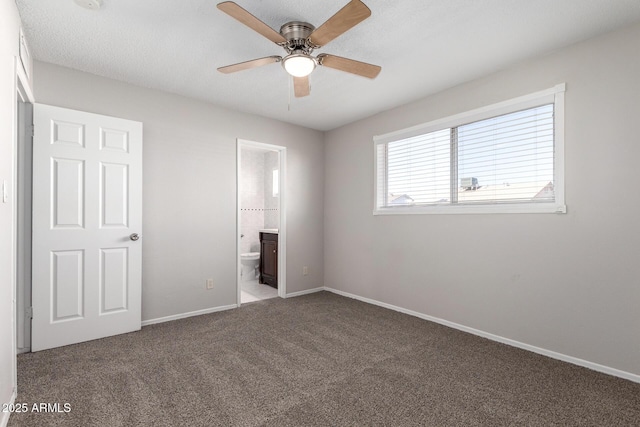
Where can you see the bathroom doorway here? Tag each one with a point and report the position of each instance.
(261, 221)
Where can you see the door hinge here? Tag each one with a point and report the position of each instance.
(33, 131)
(28, 313)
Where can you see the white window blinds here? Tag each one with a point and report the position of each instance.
(418, 169)
(506, 159)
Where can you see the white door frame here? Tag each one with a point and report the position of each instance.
(282, 230)
(22, 89)
(22, 182)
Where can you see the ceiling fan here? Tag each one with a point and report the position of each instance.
(299, 39)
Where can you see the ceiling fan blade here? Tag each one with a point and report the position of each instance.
(349, 65)
(346, 18)
(249, 64)
(301, 86)
(235, 11)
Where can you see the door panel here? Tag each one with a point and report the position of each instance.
(67, 285)
(114, 283)
(67, 201)
(87, 200)
(71, 134)
(114, 200)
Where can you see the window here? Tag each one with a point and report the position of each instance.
(507, 157)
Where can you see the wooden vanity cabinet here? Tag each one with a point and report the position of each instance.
(269, 259)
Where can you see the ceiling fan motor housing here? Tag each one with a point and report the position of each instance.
(296, 34)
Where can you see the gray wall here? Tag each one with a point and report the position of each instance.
(566, 283)
(189, 185)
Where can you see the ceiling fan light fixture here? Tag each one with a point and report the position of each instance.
(299, 64)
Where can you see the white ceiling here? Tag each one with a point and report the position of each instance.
(423, 46)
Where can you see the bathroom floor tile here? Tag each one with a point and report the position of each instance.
(255, 290)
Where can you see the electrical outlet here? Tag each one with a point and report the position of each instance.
(305, 270)
(209, 283)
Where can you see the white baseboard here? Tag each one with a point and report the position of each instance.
(4, 416)
(305, 292)
(189, 314)
(216, 309)
(559, 356)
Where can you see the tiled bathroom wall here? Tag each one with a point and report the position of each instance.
(251, 198)
(271, 202)
(258, 206)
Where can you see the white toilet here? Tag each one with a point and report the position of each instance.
(249, 261)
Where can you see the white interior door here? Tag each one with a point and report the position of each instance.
(87, 210)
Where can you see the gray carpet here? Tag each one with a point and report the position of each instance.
(319, 359)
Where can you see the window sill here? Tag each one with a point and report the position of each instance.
(526, 208)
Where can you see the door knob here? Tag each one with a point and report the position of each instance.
(134, 236)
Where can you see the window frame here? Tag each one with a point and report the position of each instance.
(554, 95)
